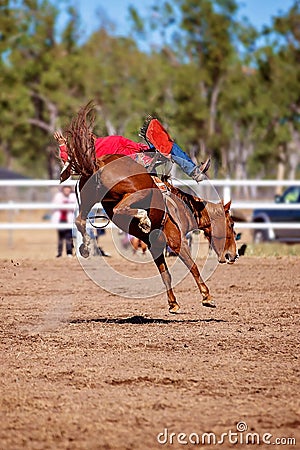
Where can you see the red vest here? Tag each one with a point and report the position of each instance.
(111, 145)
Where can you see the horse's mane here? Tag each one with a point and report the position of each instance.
(195, 204)
(80, 142)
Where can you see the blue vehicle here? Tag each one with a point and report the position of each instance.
(290, 196)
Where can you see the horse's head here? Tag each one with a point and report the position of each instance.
(220, 232)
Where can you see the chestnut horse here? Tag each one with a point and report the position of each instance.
(134, 203)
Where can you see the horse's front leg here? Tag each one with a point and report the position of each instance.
(179, 244)
(89, 194)
(186, 258)
(167, 280)
(80, 223)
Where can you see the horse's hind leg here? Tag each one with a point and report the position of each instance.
(167, 280)
(126, 208)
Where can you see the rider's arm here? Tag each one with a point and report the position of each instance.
(63, 150)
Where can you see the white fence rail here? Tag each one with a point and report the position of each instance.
(226, 182)
(11, 206)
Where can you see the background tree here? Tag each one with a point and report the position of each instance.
(219, 92)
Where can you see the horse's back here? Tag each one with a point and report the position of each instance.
(116, 169)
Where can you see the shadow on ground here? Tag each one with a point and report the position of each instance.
(141, 320)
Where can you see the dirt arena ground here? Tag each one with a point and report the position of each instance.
(84, 369)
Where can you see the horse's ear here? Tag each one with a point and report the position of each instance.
(227, 206)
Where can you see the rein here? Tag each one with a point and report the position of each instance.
(100, 216)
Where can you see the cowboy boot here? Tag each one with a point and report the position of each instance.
(198, 173)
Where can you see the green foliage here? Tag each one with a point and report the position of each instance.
(218, 91)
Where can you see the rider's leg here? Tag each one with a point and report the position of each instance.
(154, 133)
(187, 165)
(182, 159)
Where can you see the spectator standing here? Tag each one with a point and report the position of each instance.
(63, 197)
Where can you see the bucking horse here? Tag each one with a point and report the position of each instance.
(134, 202)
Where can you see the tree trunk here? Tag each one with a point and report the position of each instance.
(225, 169)
(213, 108)
(293, 152)
(294, 161)
(281, 167)
(7, 155)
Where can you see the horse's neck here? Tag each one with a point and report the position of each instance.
(213, 212)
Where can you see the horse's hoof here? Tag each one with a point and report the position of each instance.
(84, 251)
(174, 309)
(209, 303)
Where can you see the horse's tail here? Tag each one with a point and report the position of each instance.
(81, 142)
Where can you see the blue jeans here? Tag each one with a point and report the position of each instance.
(182, 159)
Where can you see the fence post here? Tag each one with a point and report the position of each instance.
(226, 193)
